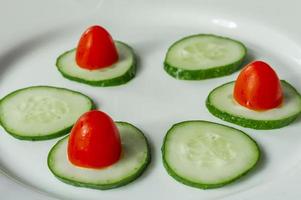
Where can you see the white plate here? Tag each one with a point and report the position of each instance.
(34, 33)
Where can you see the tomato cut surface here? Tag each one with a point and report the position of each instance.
(94, 141)
(258, 87)
(96, 49)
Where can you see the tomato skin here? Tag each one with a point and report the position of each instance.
(258, 87)
(94, 141)
(96, 49)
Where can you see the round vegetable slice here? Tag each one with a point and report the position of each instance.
(221, 104)
(42, 112)
(204, 56)
(134, 159)
(118, 73)
(208, 155)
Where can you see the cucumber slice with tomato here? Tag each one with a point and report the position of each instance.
(204, 56)
(207, 155)
(42, 112)
(221, 104)
(118, 73)
(134, 159)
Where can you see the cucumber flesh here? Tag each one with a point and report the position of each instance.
(134, 159)
(208, 155)
(204, 56)
(119, 73)
(42, 112)
(221, 103)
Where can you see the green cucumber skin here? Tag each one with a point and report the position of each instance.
(184, 74)
(129, 75)
(204, 186)
(44, 137)
(123, 182)
(251, 123)
(40, 138)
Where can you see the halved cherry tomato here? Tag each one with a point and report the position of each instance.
(258, 87)
(96, 49)
(94, 141)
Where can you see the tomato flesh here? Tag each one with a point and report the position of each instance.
(258, 87)
(94, 141)
(96, 49)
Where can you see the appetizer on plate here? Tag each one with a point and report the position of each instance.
(100, 153)
(257, 99)
(98, 60)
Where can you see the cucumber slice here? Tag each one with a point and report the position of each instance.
(42, 112)
(207, 155)
(119, 73)
(134, 159)
(204, 56)
(221, 104)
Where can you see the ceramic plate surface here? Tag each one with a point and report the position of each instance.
(34, 33)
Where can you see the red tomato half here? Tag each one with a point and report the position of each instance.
(96, 49)
(258, 87)
(94, 141)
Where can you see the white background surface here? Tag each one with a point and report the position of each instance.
(33, 33)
